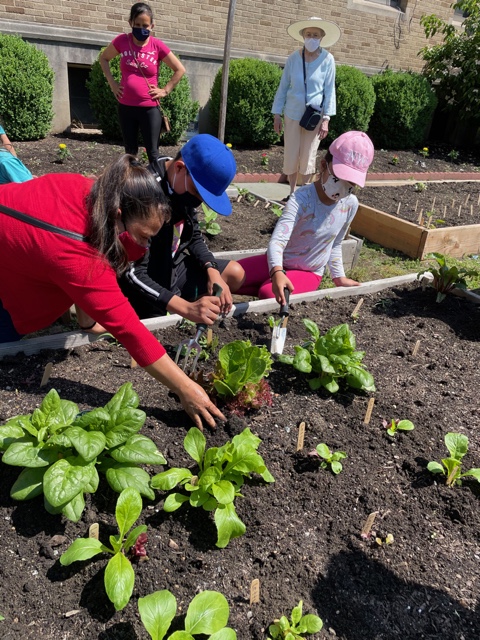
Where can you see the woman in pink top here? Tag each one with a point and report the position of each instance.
(138, 93)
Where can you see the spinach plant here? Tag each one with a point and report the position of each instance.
(220, 476)
(398, 425)
(297, 627)
(331, 357)
(457, 445)
(330, 458)
(446, 278)
(119, 575)
(208, 224)
(62, 451)
(239, 373)
(207, 615)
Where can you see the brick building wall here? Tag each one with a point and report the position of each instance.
(374, 36)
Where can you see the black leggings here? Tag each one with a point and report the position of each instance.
(148, 120)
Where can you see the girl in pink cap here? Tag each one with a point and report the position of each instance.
(309, 234)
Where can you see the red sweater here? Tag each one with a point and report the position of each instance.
(43, 273)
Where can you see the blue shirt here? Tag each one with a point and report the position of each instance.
(290, 96)
(12, 169)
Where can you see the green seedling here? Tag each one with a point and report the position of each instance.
(398, 425)
(424, 152)
(431, 222)
(457, 445)
(119, 576)
(453, 155)
(63, 450)
(297, 627)
(420, 186)
(207, 615)
(446, 278)
(220, 476)
(330, 458)
(332, 358)
(276, 209)
(208, 225)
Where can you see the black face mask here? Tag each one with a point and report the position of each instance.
(181, 203)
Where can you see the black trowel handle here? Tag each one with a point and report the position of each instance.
(284, 307)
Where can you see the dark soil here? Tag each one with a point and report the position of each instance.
(303, 532)
(90, 152)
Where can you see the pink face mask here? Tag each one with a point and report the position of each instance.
(134, 250)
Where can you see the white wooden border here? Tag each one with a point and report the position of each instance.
(72, 339)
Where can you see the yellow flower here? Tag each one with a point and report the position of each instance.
(62, 146)
(425, 148)
(229, 145)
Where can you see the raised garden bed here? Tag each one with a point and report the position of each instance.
(303, 532)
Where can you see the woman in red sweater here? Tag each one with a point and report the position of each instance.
(65, 239)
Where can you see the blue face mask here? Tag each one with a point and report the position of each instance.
(140, 34)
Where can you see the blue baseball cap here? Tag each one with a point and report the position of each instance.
(212, 167)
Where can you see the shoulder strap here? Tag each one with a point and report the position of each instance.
(35, 222)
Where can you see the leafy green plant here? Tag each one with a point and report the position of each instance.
(221, 474)
(63, 152)
(398, 425)
(276, 209)
(329, 457)
(331, 357)
(26, 89)
(395, 160)
(265, 160)
(457, 445)
(240, 369)
(420, 186)
(453, 155)
(207, 614)
(430, 221)
(119, 575)
(424, 152)
(297, 627)
(446, 278)
(61, 450)
(208, 224)
(252, 85)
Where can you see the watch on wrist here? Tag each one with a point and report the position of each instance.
(211, 265)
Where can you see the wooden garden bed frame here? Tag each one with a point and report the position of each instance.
(412, 239)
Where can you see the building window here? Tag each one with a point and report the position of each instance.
(396, 4)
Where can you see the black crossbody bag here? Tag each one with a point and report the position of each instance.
(41, 224)
(311, 117)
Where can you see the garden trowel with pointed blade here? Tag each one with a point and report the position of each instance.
(279, 332)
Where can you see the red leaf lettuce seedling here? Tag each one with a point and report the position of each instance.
(457, 445)
(222, 472)
(297, 627)
(207, 615)
(119, 575)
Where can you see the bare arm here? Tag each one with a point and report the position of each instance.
(178, 69)
(7, 144)
(108, 54)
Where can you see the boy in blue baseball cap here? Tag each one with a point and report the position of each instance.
(178, 272)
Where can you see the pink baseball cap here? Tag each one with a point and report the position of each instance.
(352, 155)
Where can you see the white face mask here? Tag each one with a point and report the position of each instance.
(336, 189)
(312, 44)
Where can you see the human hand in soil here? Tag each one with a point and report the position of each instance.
(279, 283)
(199, 407)
(278, 124)
(345, 282)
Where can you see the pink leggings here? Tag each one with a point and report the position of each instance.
(258, 283)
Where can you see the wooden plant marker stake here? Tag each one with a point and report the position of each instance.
(367, 527)
(459, 210)
(467, 199)
(444, 211)
(301, 436)
(267, 204)
(93, 531)
(209, 336)
(416, 348)
(368, 413)
(255, 591)
(239, 198)
(453, 202)
(433, 203)
(256, 203)
(420, 217)
(398, 208)
(46, 373)
(357, 308)
(478, 201)
(471, 209)
(416, 206)
(133, 364)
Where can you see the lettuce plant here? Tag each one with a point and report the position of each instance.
(207, 615)
(62, 451)
(295, 628)
(220, 476)
(119, 575)
(331, 357)
(446, 278)
(240, 372)
(457, 445)
(208, 224)
(330, 458)
(398, 425)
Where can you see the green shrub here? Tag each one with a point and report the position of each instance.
(404, 107)
(252, 85)
(178, 105)
(355, 102)
(26, 89)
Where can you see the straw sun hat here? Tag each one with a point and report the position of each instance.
(332, 30)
